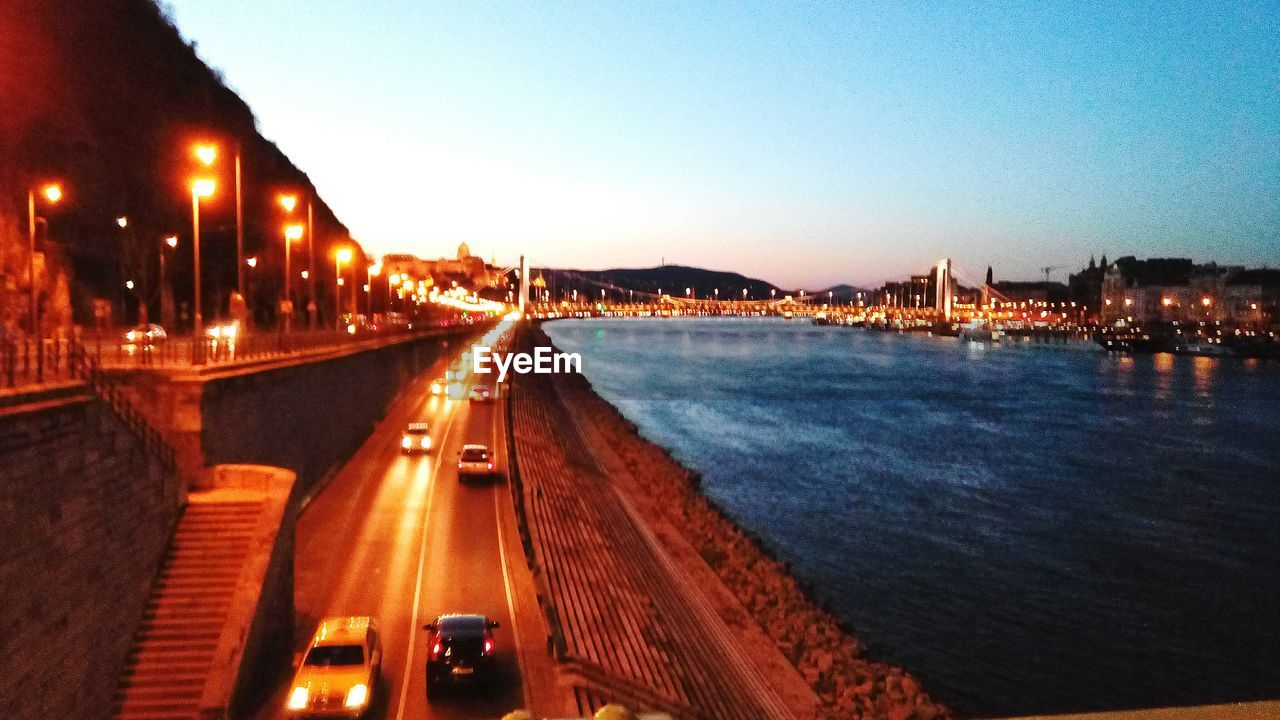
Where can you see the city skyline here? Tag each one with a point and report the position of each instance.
(813, 146)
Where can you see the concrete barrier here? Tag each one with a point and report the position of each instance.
(258, 631)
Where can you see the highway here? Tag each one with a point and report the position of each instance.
(402, 539)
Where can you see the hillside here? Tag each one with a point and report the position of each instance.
(105, 97)
(666, 279)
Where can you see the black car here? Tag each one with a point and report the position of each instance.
(460, 649)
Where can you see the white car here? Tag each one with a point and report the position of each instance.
(475, 460)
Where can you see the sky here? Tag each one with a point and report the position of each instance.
(804, 143)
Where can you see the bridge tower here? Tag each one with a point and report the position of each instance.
(524, 283)
(945, 284)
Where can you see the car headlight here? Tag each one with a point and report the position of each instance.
(357, 695)
(406, 443)
(298, 698)
(426, 442)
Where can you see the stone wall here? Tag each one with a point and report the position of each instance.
(305, 415)
(85, 517)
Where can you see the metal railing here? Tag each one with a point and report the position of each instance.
(84, 366)
(185, 351)
(25, 361)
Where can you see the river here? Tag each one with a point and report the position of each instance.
(1028, 528)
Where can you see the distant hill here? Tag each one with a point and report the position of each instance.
(667, 279)
(843, 293)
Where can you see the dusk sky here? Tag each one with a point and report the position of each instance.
(803, 143)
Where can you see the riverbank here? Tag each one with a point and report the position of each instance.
(848, 682)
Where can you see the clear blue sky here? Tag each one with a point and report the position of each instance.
(804, 143)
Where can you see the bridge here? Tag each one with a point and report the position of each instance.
(258, 486)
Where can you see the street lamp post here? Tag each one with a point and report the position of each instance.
(291, 233)
(313, 307)
(342, 256)
(355, 298)
(53, 194)
(200, 187)
(372, 272)
(239, 231)
(166, 299)
(285, 308)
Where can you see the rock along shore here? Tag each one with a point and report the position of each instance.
(848, 683)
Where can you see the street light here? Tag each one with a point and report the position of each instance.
(207, 153)
(53, 194)
(342, 256)
(288, 202)
(200, 188)
(251, 261)
(166, 295)
(122, 221)
(291, 233)
(372, 272)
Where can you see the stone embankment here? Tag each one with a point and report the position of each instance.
(848, 682)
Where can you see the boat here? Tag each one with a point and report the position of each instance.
(1204, 349)
(978, 331)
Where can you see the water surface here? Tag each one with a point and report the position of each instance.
(1028, 528)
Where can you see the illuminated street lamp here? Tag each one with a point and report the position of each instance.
(122, 221)
(207, 153)
(251, 261)
(166, 293)
(371, 272)
(342, 256)
(291, 233)
(200, 188)
(53, 194)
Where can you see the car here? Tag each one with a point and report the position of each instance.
(480, 393)
(439, 386)
(475, 460)
(460, 648)
(416, 438)
(339, 671)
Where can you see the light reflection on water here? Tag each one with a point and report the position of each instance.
(1031, 528)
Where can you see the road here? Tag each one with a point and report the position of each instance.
(402, 539)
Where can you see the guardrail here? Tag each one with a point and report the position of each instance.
(24, 361)
(224, 348)
(86, 367)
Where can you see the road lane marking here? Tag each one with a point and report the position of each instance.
(422, 563)
(506, 571)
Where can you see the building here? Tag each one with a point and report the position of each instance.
(1177, 290)
(1085, 289)
(466, 269)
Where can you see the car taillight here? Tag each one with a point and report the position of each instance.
(459, 464)
(490, 465)
(435, 651)
(488, 646)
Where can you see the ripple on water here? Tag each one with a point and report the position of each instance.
(1030, 528)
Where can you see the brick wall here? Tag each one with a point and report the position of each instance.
(85, 517)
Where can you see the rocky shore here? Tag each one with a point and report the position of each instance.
(848, 683)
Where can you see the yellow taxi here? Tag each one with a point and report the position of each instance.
(339, 670)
